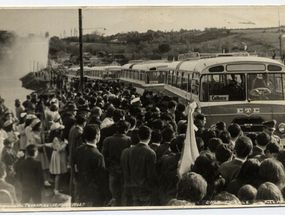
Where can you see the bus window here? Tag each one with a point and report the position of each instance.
(152, 77)
(195, 83)
(174, 79)
(142, 75)
(178, 80)
(136, 75)
(160, 77)
(189, 82)
(223, 88)
(184, 81)
(170, 77)
(262, 86)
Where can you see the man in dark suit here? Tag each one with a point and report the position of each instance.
(111, 130)
(31, 176)
(69, 120)
(75, 140)
(230, 169)
(144, 181)
(90, 169)
(4, 185)
(112, 150)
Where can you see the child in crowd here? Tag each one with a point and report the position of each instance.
(58, 163)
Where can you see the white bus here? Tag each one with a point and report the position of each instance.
(244, 90)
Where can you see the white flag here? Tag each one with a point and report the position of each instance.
(190, 150)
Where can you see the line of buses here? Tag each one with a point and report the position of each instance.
(234, 88)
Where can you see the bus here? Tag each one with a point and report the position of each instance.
(145, 76)
(243, 90)
(103, 72)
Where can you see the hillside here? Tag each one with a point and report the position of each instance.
(157, 44)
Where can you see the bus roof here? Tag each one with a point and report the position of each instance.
(127, 66)
(199, 65)
(112, 67)
(150, 66)
(100, 68)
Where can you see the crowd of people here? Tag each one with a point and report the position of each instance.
(120, 148)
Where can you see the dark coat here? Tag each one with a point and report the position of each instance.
(161, 150)
(31, 175)
(92, 174)
(112, 150)
(106, 132)
(143, 174)
(230, 169)
(255, 151)
(68, 122)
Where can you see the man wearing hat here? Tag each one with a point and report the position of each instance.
(269, 128)
(84, 109)
(69, 120)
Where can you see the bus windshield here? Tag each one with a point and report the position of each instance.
(264, 86)
(232, 87)
(223, 87)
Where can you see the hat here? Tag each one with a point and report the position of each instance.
(34, 122)
(7, 123)
(71, 107)
(8, 111)
(270, 124)
(56, 126)
(23, 114)
(31, 116)
(83, 108)
(135, 100)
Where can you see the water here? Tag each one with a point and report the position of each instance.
(11, 89)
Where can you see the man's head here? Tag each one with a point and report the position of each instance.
(214, 143)
(156, 136)
(122, 127)
(144, 133)
(243, 147)
(132, 120)
(81, 120)
(91, 133)
(32, 150)
(172, 105)
(96, 111)
(263, 139)
(167, 134)
(191, 187)
(269, 127)
(235, 130)
(118, 115)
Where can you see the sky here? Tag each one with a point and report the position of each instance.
(60, 20)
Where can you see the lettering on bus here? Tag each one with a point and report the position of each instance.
(219, 98)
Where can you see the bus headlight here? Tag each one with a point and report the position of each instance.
(281, 127)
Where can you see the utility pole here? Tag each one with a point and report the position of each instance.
(81, 51)
(280, 37)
